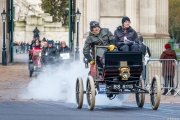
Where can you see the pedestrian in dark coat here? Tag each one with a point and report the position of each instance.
(126, 36)
(27, 46)
(144, 49)
(21, 47)
(168, 67)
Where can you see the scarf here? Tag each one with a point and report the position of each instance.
(95, 32)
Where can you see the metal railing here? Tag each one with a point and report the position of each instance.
(167, 70)
(178, 88)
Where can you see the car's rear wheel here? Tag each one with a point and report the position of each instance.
(140, 97)
(90, 92)
(155, 92)
(79, 92)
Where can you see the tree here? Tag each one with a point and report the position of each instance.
(57, 9)
(174, 17)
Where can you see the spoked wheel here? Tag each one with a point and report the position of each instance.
(79, 92)
(140, 97)
(30, 73)
(155, 92)
(90, 92)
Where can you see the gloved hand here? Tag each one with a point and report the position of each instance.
(88, 57)
(128, 42)
(92, 62)
(111, 47)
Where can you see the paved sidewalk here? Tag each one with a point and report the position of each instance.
(21, 57)
(14, 80)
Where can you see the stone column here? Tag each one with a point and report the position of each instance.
(162, 18)
(148, 18)
(132, 11)
(92, 12)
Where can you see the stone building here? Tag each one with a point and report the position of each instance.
(28, 15)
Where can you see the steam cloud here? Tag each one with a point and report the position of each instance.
(51, 86)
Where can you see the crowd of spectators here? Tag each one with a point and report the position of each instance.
(21, 47)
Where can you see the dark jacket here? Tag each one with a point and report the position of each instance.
(168, 67)
(144, 48)
(64, 50)
(51, 51)
(104, 38)
(130, 33)
(33, 42)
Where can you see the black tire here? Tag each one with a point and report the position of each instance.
(140, 97)
(79, 92)
(155, 92)
(90, 92)
(30, 73)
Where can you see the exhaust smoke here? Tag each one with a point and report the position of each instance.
(58, 84)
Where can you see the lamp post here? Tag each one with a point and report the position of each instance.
(78, 15)
(4, 58)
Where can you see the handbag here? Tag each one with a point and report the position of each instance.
(146, 57)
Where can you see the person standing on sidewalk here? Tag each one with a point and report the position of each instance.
(146, 53)
(168, 67)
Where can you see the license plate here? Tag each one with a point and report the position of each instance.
(129, 86)
(102, 89)
(65, 56)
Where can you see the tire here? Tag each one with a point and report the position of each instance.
(30, 73)
(155, 92)
(90, 93)
(140, 97)
(79, 92)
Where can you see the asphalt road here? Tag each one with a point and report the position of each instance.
(44, 110)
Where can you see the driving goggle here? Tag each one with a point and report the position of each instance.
(94, 25)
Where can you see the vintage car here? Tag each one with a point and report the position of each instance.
(119, 74)
(35, 64)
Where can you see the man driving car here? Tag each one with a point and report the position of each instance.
(50, 53)
(97, 36)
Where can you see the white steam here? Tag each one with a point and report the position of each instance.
(58, 84)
